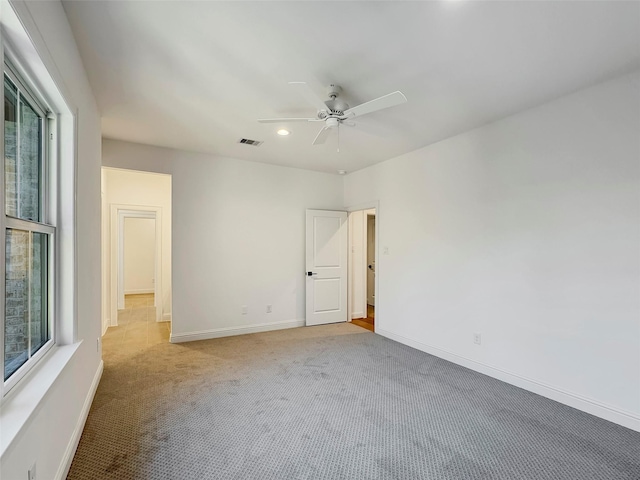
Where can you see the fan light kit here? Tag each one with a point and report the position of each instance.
(283, 132)
(334, 111)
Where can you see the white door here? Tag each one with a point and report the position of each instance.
(326, 264)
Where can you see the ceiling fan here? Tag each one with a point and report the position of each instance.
(334, 111)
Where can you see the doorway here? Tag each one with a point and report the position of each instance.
(138, 269)
(362, 275)
(371, 265)
(137, 198)
(136, 249)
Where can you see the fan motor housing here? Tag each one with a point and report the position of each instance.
(337, 106)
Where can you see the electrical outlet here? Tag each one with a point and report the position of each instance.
(245, 309)
(477, 338)
(385, 250)
(32, 472)
(98, 345)
(269, 309)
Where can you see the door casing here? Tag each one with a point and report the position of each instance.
(375, 204)
(118, 214)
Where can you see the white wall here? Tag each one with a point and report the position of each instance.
(48, 436)
(140, 189)
(527, 231)
(139, 255)
(238, 237)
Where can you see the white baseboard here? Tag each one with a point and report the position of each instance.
(357, 315)
(231, 331)
(588, 405)
(139, 291)
(166, 317)
(65, 465)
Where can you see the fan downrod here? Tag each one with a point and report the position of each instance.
(335, 105)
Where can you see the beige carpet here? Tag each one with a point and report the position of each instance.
(146, 378)
(327, 402)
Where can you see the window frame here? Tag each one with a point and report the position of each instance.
(46, 224)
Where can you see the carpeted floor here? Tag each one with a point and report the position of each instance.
(330, 402)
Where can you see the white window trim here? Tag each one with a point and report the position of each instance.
(46, 225)
(38, 69)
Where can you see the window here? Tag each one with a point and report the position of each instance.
(28, 228)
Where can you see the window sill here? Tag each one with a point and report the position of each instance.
(23, 400)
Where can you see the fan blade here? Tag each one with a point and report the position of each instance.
(322, 136)
(390, 100)
(283, 120)
(309, 95)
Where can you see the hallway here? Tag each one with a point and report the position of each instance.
(137, 326)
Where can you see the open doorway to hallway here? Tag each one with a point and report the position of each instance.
(362, 268)
(136, 248)
(139, 295)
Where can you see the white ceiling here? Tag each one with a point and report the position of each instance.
(196, 75)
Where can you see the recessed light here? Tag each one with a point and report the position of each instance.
(284, 132)
(342, 172)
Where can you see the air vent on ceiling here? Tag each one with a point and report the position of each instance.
(246, 141)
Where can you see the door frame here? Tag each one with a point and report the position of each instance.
(368, 272)
(118, 214)
(356, 208)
